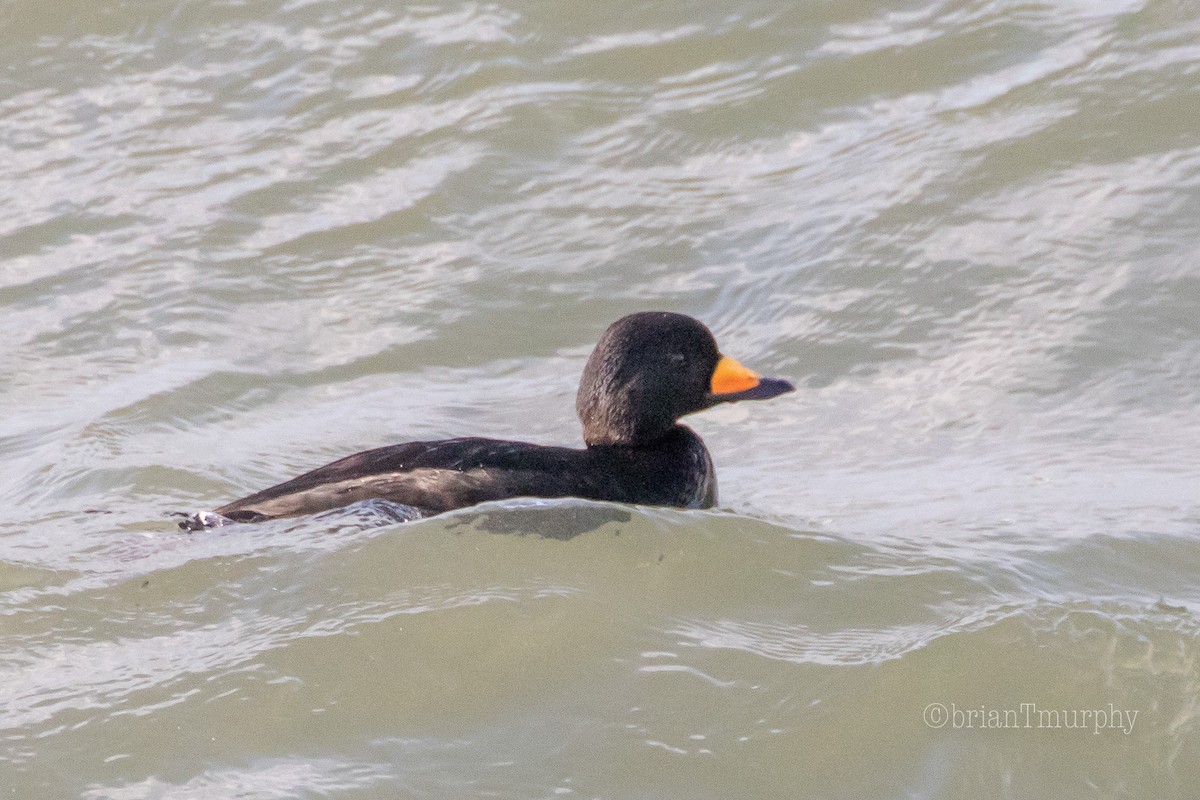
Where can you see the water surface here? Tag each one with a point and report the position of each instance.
(241, 239)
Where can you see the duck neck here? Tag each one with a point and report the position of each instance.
(639, 439)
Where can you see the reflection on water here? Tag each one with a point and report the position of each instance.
(549, 519)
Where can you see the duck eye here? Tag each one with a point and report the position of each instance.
(677, 358)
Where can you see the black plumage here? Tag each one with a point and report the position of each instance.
(647, 371)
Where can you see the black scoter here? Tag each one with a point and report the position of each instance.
(648, 370)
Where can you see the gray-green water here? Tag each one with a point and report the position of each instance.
(240, 239)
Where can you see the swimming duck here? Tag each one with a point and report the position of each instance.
(648, 370)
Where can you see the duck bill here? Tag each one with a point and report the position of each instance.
(732, 382)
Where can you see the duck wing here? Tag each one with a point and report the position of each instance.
(431, 476)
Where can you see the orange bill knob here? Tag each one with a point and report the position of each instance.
(730, 377)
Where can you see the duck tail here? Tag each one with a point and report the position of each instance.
(201, 520)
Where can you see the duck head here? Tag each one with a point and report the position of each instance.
(651, 368)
